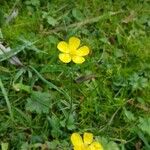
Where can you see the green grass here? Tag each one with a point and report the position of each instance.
(108, 95)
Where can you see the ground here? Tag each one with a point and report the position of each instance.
(43, 100)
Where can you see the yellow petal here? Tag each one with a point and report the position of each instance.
(96, 146)
(65, 58)
(76, 140)
(78, 59)
(82, 51)
(88, 138)
(80, 148)
(63, 47)
(74, 43)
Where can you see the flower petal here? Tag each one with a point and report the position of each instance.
(77, 148)
(78, 59)
(83, 147)
(82, 51)
(88, 138)
(63, 47)
(76, 140)
(96, 146)
(74, 43)
(65, 58)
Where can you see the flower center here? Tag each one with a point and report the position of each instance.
(72, 52)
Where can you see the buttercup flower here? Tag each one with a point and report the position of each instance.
(86, 143)
(72, 51)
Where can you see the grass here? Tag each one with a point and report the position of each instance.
(44, 101)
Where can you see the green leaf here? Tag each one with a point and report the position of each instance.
(71, 122)
(39, 102)
(15, 51)
(53, 39)
(6, 99)
(118, 53)
(55, 125)
(25, 146)
(144, 125)
(53, 144)
(20, 86)
(144, 139)
(51, 21)
(107, 145)
(4, 146)
(138, 82)
(129, 114)
(77, 14)
(112, 146)
(33, 2)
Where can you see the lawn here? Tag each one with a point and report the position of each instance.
(101, 88)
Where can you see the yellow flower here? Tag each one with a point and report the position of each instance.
(86, 143)
(72, 51)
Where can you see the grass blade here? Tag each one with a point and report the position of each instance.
(51, 85)
(6, 99)
(15, 51)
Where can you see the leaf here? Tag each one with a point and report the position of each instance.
(15, 51)
(25, 146)
(108, 145)
(20, 86)
(33, 2)
(104, 40)
(118, 53)
(77, 14)
(144, 125)
(39, 102)
(71, 122)
(144, 139)
(53, 144)
(14, 59)
(55, 125)
(137, 82)
(6, 99)
(52, 39)
(31, 46)
(4, 146)
(129, 114)
(19, 74)
(112, 146)
(51, 21)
